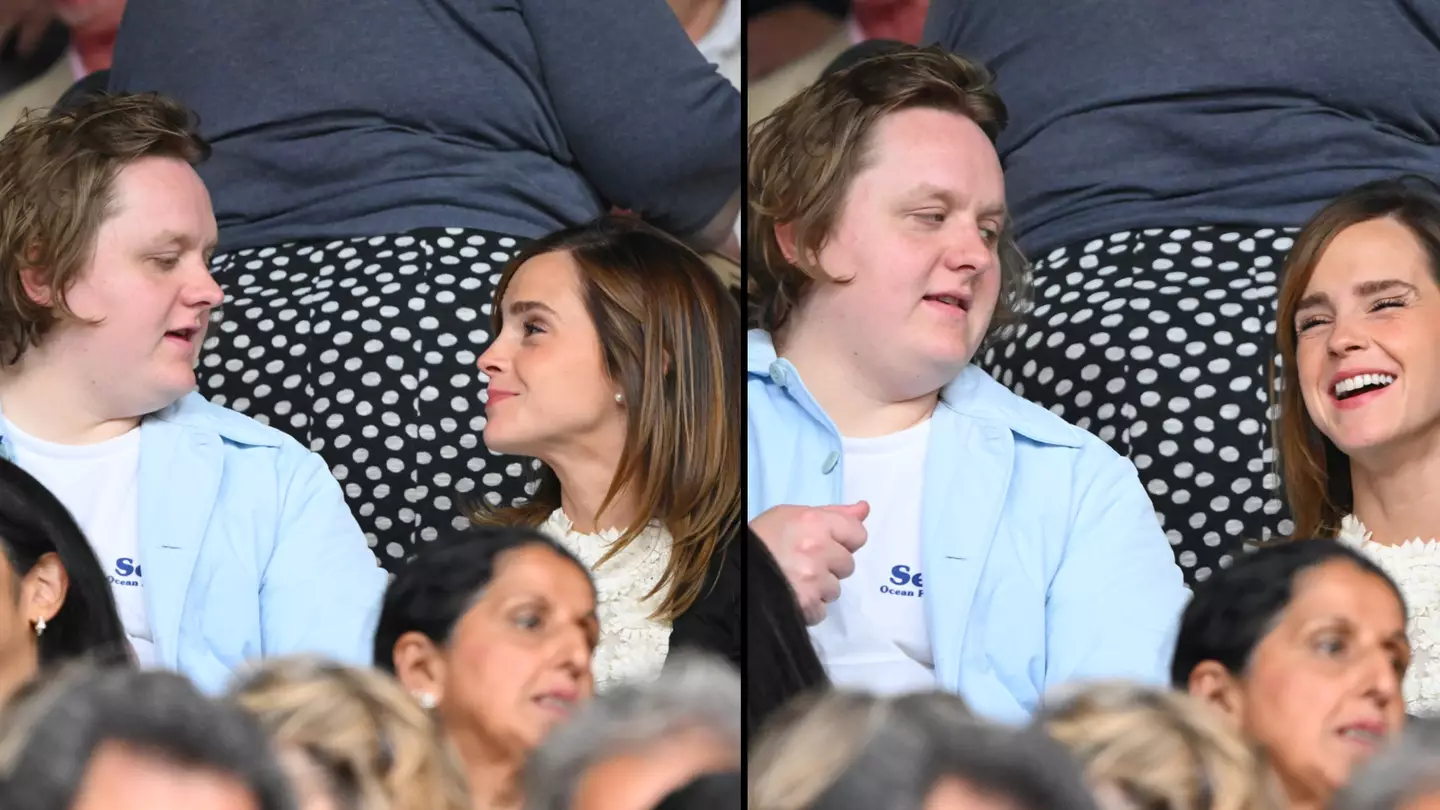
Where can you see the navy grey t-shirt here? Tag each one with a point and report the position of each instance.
(369, 117)
(1151, 113)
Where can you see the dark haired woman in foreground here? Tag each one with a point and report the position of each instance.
(1303, 647)
(614, 365)
(1359, 430)
(55, 603)
(494, 629)
(780, 661)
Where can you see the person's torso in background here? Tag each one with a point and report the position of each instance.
(373, 116)
(1135, 113)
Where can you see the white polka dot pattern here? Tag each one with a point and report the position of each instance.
(1159, 341)
(364, 350)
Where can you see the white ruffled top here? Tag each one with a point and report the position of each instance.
(1415, 567)
(632, 645)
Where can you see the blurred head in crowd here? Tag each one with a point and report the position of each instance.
(1358, 317)
(780, 661)
(878, 208)
(1405, 776)
(637, 743)
(130, 740)
(494, 628)
(55, 602)
(1302, 646)
(1146, 748)
(841, 750)
(353, 739)
(613, 363)
(710, 791)
(106, 233)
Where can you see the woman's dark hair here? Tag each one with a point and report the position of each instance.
(34, 523)
(780, 661)
(49, 737)
(1233, 610)
(437, 586)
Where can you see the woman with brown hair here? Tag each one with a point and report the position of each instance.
(612, 365)
(353, 739)
(1359, 393)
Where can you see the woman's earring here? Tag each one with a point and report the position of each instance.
(40, 627)
(427, 700)
(620, 398)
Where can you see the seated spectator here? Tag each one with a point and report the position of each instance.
(398, 156)
(494, 629)
(1404, 777)
(226, 540)
(55, 43)
(352, 739)
(780, 661)
(635, 744)
(54, 598)
(131, 740)
(919, 751)
(1302, 647)
(1036, 560)
(1146, 748)
(1359, 431)
(613, 365)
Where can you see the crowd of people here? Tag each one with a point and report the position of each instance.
(369, 426)
(1091, 425)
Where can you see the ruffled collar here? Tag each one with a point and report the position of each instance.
(1354, 534)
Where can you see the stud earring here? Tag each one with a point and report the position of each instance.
(40, 627)
(620, 398)
(427, 700)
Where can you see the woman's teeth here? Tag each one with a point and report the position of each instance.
(1360, 383)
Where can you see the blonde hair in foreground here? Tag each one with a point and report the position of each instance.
(1144, 748)
(376, 748)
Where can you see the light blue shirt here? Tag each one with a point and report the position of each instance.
(1044, 561)
(249, 548)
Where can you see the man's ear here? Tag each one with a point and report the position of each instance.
(785, 238)
(1212, 684)
(36, 287)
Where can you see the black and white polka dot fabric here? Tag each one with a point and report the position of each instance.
(1159, 342)
(364, 350)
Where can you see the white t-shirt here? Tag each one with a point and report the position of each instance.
(99, 484)
(875, 637)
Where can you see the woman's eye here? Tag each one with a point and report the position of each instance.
(532, 328)
(1306, 323)
(167, 262)
(529, 621)
(1388, 303)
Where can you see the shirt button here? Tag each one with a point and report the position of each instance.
(830, 462)
(777, 374)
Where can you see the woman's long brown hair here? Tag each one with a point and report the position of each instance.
(1315, 473)
(671, 337)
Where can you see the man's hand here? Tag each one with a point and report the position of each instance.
(27, 20)
(815, 548)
